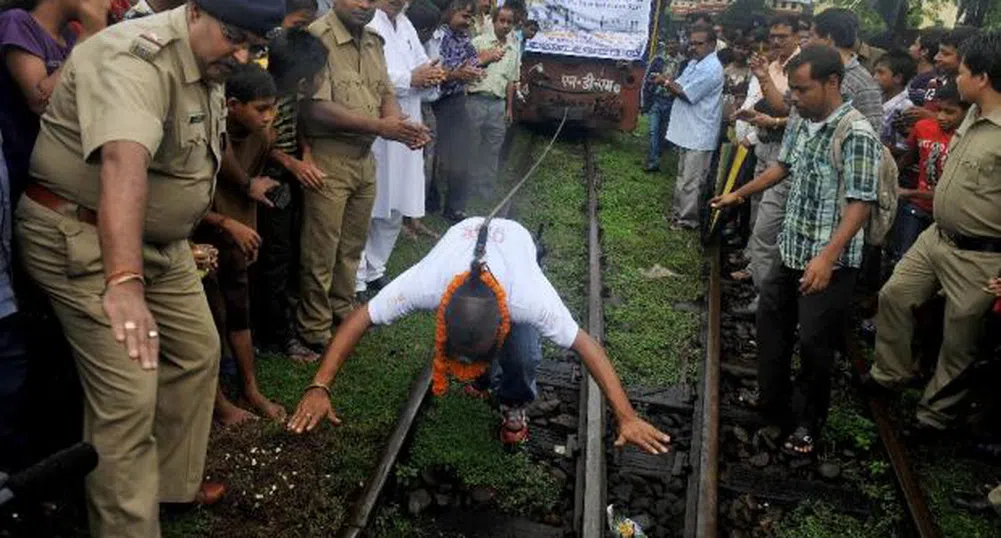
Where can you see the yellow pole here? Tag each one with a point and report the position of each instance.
(655, 34)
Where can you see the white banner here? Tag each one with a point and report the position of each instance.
(616, 29)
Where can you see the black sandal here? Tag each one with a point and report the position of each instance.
(799, 443)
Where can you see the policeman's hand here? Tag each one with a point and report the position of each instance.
(132, 323)
(420, 142)
(817, 275)
(313, 407)
(307, 173)
(509, 115)
(244, 237)
(259, 187)
(640, 433)
(399, 129)
(724, 201)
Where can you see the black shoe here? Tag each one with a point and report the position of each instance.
(970, 502)
(651, 168)
(377, 284)
(455, 217)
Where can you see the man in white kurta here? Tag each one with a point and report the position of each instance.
(399, 171)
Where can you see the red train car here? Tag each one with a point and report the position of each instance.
(586, 58)
(599, 93)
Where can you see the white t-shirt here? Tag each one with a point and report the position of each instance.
(510, 256)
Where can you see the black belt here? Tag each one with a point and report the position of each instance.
(967, 242)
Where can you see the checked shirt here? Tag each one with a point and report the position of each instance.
(813, 211)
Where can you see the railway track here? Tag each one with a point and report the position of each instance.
(753, 484)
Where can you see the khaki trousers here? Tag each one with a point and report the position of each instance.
(693, 176)
(334, 228)
(150, 428)
(931, 264)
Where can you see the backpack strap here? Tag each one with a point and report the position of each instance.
(840, 134)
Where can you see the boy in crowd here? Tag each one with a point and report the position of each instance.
(657, 100)
(893, 71)
(923, 50)
(299, 13)
(957, 254)
(491, 99)
(927, 146)
(296, 62)
(231, 228)
(947, 61)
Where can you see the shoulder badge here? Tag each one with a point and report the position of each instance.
(147, 45)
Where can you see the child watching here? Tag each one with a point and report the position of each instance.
(893, 72)
(230, 228)
(296, 61)
(928, 146)
(299, 13)
(491, 100)
(463, 66)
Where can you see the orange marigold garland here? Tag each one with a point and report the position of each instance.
(443, 365)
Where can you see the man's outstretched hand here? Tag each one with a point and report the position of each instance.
(642, 434)
(313, 407)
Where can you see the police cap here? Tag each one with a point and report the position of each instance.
(257, 16)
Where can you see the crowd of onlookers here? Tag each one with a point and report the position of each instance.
(298, 233)
(868, 171)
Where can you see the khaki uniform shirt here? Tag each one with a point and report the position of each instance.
(136, 81)
(356, 78)
(968, 196)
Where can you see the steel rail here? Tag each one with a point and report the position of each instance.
(593, 516)
(708, 504)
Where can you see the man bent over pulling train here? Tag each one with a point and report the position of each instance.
(490, 315)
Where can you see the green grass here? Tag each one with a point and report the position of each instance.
(819, 520)
(459, 434)
(647, 340)
(944, 474)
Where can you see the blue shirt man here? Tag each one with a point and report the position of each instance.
(696, 116)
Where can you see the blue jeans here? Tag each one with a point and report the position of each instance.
(512, 373)
(911, 221)
(660, 113)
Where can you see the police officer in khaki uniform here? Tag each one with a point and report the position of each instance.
(958, 254)
(354, 105)
(123, 170)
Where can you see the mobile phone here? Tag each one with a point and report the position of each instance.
(280, 196)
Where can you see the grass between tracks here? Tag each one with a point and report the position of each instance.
(647, 339)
